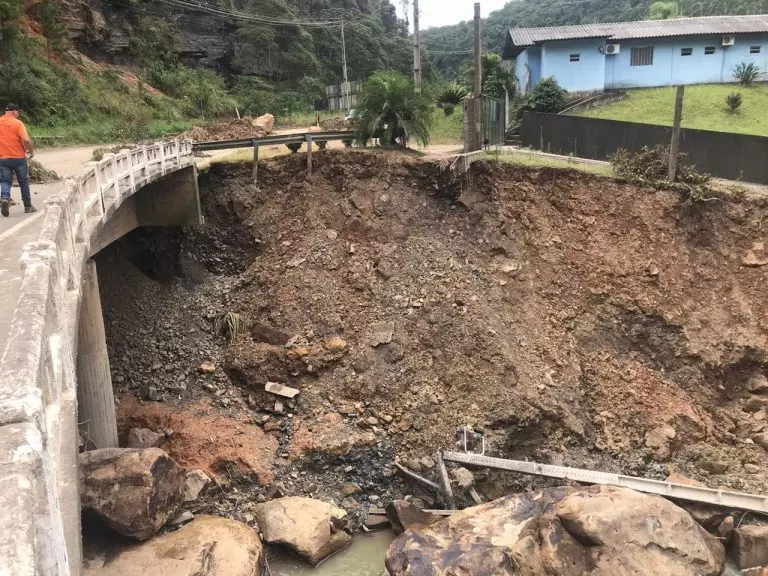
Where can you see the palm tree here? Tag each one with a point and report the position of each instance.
(391, 111)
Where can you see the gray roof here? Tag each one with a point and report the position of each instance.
(521, 37)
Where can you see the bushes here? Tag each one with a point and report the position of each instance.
(201, 91)
(746, 73)
(651, 166)
(546, 96)
(733, 100)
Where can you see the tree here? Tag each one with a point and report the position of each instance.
(391, 111)
(663, 10)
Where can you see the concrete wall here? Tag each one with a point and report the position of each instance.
(587, 74)
(670, 67)
(722, 154)
(40, 532)
(528, 77)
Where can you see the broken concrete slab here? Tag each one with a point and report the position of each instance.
(281, 389)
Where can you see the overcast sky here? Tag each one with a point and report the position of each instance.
(445, 12)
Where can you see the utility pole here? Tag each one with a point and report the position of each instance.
(345, 90)
(478, 61)
(674, 146)
(473, 127)
(416, 48)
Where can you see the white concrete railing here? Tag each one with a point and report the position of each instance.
(39, 502)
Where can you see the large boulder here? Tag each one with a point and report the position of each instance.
(312, 528)
(750, 546)
(266, 122)
(598, 530)
(207, 546)
(133, 491)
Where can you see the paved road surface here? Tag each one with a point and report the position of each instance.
(19, 228)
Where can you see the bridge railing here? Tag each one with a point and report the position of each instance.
(40, 532)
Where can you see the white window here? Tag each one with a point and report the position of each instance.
(641, 56)
(575, 57)
(709, 50)
(686, 51)
(754, 49)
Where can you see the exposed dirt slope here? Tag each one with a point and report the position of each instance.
(577, 320)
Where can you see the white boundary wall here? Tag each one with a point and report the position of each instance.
(39, 501)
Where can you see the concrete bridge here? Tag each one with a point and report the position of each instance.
(55, 372)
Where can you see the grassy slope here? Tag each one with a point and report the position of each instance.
(447, 129)
(704, 108)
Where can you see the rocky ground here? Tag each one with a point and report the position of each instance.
(573, 319)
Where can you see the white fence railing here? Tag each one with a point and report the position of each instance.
(39, 502)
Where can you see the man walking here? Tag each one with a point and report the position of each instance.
(15, 146)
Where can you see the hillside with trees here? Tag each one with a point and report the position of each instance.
(112, 69)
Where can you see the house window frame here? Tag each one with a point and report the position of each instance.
(641, 56)
(755, 49)
(574, 57)
(710, 50)
(686, 51)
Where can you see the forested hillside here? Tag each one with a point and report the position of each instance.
(560, 12)
(103, 69)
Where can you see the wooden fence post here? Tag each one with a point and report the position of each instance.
(674, 147)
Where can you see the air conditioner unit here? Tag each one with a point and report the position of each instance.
(729, 40)
(612, 48)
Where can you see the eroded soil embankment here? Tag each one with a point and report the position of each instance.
(576, 320)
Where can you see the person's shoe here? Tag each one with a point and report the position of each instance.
(29, 209)
(4, 207)
(12, 202)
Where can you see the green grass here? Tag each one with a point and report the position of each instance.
(105, 131)
(447, 129)
(522, 158)
(704, 108)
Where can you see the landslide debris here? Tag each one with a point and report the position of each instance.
(573, 319)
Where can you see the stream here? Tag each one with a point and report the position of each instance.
(364, 557)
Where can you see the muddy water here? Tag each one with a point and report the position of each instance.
(364, 557)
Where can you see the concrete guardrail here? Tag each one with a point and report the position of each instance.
(39, 501)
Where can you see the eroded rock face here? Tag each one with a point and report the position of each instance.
(312, 528)
(134, 491)
(208, 546)
(598, 530)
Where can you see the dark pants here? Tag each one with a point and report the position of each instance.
(9, 166)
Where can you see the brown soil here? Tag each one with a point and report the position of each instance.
(574, 319)
(234, 130)
(201, 437)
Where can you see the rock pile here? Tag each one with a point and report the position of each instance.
(599, 530)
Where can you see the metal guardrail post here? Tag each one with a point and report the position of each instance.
(309, 155)
(255, 162)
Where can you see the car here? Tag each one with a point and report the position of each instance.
(351, 115)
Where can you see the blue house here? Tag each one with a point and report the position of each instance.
(597, 57)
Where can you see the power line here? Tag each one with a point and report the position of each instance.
(208, 9)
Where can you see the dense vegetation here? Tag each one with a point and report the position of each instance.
(459, 37)
(277, 68)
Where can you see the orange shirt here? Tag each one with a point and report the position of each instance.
(12, 130)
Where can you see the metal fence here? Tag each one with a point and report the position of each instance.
(494, 121)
